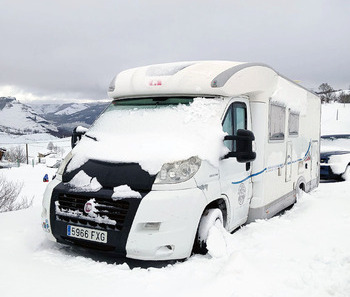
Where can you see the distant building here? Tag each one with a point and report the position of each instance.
(2, 152)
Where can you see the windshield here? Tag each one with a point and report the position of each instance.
(144, 103)
(154, 131)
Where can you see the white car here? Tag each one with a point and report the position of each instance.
(335, 156)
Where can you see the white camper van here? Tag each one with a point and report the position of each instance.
(182, 146)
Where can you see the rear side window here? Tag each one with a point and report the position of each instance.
(277, 121)
(293, 124)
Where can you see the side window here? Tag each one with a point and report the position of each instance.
(293, 124)
(235, 118)
(277, 122)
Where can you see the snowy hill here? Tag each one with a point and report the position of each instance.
(70, 115)
(59, 109)
(20, 119)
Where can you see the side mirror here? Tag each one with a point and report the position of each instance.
(77, 134)
(242, 146)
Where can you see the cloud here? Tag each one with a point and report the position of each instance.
(72, 49)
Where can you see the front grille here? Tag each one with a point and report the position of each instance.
(109, 214)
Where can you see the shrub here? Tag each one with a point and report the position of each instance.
(9, 192)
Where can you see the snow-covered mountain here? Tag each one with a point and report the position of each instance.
(17, 118)
(67, 116)
(20, 119)
(59, 109)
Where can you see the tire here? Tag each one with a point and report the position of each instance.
(209, 218)
(299, 189)
(346, 175)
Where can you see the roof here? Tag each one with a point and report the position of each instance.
(201, 78)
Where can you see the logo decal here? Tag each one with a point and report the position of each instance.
(241, 194)
(88, 207)
(154, 82)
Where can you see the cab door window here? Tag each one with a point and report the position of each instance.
(235, 118)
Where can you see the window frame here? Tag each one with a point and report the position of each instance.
(231, 109)
(271, 139)
(293, 113)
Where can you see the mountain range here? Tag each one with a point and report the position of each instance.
(55, 119)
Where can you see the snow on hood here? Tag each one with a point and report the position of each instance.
(335, 145)
(153, 137)
(124, 191)
(83, 182)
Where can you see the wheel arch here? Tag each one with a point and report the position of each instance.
(222, 204)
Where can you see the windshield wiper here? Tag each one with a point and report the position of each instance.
(94, 138)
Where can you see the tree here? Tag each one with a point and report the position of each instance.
(50, 146)
(16, 154)
(326, 93)
(344, 98)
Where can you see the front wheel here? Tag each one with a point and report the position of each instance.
(210, 218)
(346, 174)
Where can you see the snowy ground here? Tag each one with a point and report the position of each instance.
(304, 252)
(335, 119)
(36, 143)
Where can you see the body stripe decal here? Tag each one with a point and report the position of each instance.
(271, 168)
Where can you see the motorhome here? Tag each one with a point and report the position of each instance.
(183, 146)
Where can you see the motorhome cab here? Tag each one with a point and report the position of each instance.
(182, 146)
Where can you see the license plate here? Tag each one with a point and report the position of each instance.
(87, 234)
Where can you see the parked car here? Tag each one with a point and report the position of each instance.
(335, 156)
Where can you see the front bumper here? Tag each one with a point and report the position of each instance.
(178, 214)
(173, 216)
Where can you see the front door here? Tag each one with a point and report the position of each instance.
(315, 159)
(289, 161)
(234, 176)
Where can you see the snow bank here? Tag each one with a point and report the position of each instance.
(303, 253)
(153, 137)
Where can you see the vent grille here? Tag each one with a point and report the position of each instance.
(110, 214)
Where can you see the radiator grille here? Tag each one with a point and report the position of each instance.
(110, 213)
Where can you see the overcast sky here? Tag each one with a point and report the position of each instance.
(72, 49)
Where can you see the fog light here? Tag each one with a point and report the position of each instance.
(151, 226)
(165, 250)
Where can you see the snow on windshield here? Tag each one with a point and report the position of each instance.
(335, 144)
(154, 135)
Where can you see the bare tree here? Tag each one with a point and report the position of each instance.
(326, 93)
(9, 192)
(344, 98)
(16, 154)
(50, 146)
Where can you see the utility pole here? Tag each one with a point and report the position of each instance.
(27, 153)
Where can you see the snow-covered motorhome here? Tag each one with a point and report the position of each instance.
(182, 146)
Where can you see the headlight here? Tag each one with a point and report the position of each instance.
(177, 172)
(64, 163)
